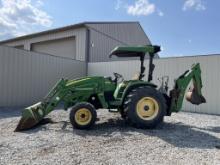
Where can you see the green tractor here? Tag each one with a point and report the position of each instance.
(139, 102)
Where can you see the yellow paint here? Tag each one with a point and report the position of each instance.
(83, 116)
(151, 112)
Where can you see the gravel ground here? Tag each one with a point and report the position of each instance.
(184, 138)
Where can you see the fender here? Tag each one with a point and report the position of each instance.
(134, 84)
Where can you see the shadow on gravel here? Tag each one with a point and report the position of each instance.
(10, 112)
(184, 136)
(176, 134)
(211, 129)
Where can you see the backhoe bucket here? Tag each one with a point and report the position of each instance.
(31, 116)
(194, 97)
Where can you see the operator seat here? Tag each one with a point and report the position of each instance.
(136, 76)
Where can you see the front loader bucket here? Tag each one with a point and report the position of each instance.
(31, 116)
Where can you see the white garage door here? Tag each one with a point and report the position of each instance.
(61, 47)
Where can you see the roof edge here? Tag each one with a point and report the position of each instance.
(78, 25)
(43, 32)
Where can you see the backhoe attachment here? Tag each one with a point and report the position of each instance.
(194, 95)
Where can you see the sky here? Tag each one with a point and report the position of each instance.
(180, 27)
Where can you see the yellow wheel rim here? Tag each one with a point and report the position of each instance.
(83, 116)
(147, 108)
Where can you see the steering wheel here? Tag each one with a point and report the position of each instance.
(118, 77)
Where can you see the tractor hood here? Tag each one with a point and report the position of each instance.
(88, 81)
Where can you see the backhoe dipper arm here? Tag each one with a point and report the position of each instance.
(194, 95)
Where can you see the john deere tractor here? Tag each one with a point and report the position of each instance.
(139, 102)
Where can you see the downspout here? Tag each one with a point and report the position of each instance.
(87, 49)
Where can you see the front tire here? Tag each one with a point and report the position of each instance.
(145, 107)
(83, 116)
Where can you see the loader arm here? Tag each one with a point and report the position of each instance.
(194, 95)
(35, 113)
(69, 92)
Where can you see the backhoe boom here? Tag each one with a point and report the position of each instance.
(194, 95)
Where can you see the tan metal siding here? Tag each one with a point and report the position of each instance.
(104, 37)
(79, 34)
(62, 47)
(173, 67)
(26, 77)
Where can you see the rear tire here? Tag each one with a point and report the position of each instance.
(83, 116)
(145, 107)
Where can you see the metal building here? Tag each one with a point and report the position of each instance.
(26, 77)
(88, 41)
